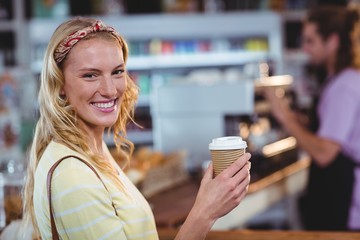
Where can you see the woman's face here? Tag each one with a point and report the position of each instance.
(313, 44)
(95, 81)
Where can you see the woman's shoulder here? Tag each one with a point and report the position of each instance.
(348, 80)
(349, 75)
(70, 173)
(56, 151)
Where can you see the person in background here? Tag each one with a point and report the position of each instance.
(332, 198)
(84, 90)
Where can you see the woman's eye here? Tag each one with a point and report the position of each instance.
(89, 75)
(118, 72)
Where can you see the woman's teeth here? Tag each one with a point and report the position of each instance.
(105, 105)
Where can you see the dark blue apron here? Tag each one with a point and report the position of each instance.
(326, 202)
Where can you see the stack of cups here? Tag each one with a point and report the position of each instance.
(225, 151)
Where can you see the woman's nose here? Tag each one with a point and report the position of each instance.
(108, 87)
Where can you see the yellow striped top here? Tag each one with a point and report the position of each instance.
(82, 206)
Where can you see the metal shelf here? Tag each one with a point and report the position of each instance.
(195, 60)
(186, 60)
(137, 137)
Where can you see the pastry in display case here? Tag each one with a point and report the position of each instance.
(154, 171)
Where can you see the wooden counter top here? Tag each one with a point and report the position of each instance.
(168, 234)
(171, 207)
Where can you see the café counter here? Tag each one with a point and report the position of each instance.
(169, 234)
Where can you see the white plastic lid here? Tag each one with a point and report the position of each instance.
(226, 143)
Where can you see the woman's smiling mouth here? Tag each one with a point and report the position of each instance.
(105, 106)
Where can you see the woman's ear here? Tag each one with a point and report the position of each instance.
(62, 94)
(333, 42)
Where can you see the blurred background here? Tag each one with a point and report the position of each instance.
(200, 65)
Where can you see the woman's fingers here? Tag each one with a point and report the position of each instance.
(208, 175)
(236, 166)
(243, 173)
(244, 191)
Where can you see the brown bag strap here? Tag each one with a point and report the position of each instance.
(54, 232)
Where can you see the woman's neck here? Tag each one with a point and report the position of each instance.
(96, 146)
(330, 65)
(95, 139)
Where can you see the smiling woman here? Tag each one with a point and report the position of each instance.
(75, 189)
(95, 82)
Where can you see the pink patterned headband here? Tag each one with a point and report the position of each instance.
(66, 45)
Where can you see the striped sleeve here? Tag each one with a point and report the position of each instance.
(82, 205)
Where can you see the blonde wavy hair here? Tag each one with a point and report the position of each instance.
(58, 121)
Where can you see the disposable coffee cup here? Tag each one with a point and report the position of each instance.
(224, 151)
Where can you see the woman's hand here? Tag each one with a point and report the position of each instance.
(218, 196)
(279, 105)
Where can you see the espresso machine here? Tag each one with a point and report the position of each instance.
(272, 148)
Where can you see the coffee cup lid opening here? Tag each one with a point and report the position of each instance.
(227, 143)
